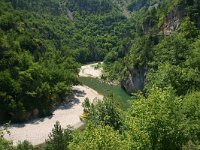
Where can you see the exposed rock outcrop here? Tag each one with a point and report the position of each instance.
(173, 20)
(70, 14)
(136, 78)
(122, 5)
(135, 81)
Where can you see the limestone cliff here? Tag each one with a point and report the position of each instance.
(173, 20)
(135, 80)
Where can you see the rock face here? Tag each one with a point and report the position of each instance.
(135, 81)
(173, 20)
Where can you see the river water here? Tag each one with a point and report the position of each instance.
(104, 88)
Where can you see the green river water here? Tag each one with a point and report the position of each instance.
(104, 88)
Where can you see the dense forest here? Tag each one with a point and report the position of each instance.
(151, 47)
(41, 43)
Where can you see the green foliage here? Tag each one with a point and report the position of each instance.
(107, 112)
(172, 49)
(59, 138)
(140, 52)
(194, 56)
(98, 137)
(159, 118)
(35, 72)
(191, 110)
(111, 57)
(25, 146)
(41, 43)
(181, 79)
(188, 29)
(90, 6)
(4, 144)
(162, 120)
(86, 105)
(162, 117)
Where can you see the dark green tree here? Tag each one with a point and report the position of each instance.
(59, 138)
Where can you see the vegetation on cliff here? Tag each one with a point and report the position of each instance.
(41, 43)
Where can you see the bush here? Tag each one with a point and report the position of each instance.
(59, 138)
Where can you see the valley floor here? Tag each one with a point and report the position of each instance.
(90, 70)
(36, 131)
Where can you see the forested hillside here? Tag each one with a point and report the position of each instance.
(163, 50)
(41, 43)
(152, 47)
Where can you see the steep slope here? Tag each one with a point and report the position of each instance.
(155, 54)
(152, 28)
(40, 44)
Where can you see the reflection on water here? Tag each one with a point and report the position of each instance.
(104, 88)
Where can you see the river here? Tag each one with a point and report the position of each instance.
(104, 88)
